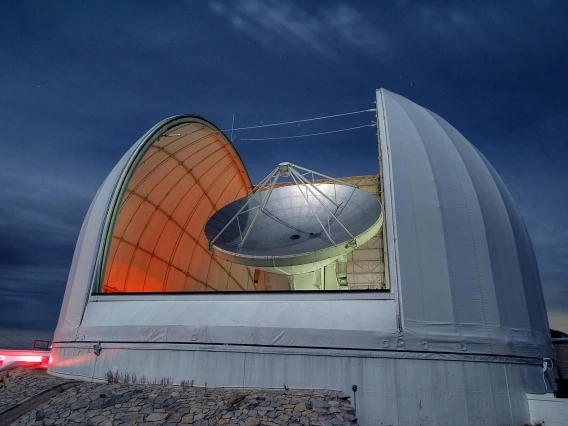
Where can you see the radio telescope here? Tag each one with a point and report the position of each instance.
(297, 226)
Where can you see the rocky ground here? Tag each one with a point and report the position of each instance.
(130, 404)
(21, 384)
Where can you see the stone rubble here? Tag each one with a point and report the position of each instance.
(136, 404)
(20, 384)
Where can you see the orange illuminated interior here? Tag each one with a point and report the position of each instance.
(158, 242)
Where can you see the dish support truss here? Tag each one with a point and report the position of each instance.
(306, 180)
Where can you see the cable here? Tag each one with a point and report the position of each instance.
(18, 333)
(7, 338)
(545, 369)
(301, 121)
(305, 136)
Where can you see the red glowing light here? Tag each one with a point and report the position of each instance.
(28, 358)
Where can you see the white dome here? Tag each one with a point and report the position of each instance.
(461, 333)
(463, 261)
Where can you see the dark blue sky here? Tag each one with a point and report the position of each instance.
(80, 82)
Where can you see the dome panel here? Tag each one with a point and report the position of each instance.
(184, 174)
(464, 266)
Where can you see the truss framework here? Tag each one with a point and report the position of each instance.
(307, 181)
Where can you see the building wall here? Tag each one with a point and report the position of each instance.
(561, 351)
(392, 389)
(366, 264)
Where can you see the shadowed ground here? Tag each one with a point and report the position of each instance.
(51, 401)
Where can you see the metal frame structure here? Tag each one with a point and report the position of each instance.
(287, 169)
(330, 217)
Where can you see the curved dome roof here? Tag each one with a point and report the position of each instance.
(183, 174)
(144, 229)
(459, 253)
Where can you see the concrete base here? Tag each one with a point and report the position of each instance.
(548, 410)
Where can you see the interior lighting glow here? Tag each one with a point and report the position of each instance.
(157, 243)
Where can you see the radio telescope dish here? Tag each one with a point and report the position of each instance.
(295, 227)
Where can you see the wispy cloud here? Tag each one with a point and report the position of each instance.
(490, 27)
(328, 30)
(30, 296)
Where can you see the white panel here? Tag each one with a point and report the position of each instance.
(479, 393)
(325, 323)
(421, 257)
(548, 410)
(452, 254)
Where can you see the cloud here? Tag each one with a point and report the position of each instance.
(328, 30)
(30, 296)
(488, 26)
(40, 215)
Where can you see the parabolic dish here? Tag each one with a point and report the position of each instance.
(300, 230)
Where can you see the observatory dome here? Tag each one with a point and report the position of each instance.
(455, 322)
(463, 261)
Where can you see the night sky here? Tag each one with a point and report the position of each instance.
(80, 82)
